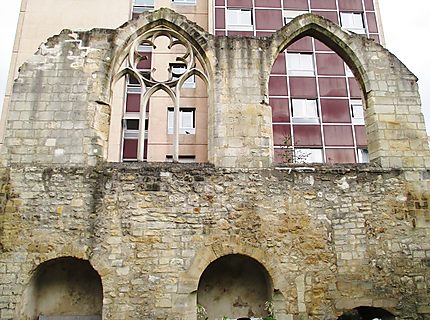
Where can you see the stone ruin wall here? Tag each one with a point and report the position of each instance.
(332, 238)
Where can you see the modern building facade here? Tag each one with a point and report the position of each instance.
(87, 236)
(316, 101)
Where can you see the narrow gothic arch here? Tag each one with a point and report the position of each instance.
(345, 44)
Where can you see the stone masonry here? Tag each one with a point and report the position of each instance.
(331, 237)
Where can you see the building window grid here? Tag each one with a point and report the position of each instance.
(324, 153)
(187, 120)
(140, 6)
(317, 76)
(354, 138)
(238, 12)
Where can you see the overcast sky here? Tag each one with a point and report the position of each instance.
(405, 24)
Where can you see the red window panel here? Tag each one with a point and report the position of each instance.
(239, 3)
(279, 66)
(354, 88)
(280, 110)
(323, 4)
(307, 136)
(145, 60)
(296, 4)
(340, 155)
(281, 134)
(130, 149)
(219, 18)
(278, 86)
(303, 87)
(302, 45)
(264, 33)
(268, 19)
(145, 150)
(330, 64)
(332, 87)
(280, 156)
(335, 110)
(241, 33)
(372, 25)
(331, 15)
(350, 5)
(338, 136)
(319, 46)
(361, 136)
(368, 4)
(219, 2)
(220, 33)
(132, 103)
(268, 3)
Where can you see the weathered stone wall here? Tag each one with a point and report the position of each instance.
(331, 238)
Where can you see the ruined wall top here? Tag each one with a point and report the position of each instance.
(60, 110)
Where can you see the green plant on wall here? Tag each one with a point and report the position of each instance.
(270, 308)
(201, 313)
(290, 155)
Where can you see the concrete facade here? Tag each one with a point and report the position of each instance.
(329, 238)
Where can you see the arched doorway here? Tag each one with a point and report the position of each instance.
(367, 313)
(234, 286)
(61, 288)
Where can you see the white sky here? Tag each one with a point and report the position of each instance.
(404, 22)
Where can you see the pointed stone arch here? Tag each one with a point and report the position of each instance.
(144, 30)
(390, 90)
(201, 40)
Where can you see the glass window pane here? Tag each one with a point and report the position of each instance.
(308, 155)
(143, 2)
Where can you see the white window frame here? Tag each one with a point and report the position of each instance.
(140, 6)
(308, 155)
(300, 64)
(190, 83)
(353, 21)
(304, 110)
(183, 128)
(357, 112)
(238, 21)
(186, 2)
(182, 158)
(348, 71)
(363, 155)
(289, 15)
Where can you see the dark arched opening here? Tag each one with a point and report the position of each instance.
(367, 313)
(63, 288)
(234, 286)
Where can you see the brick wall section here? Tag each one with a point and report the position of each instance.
(347, 231)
